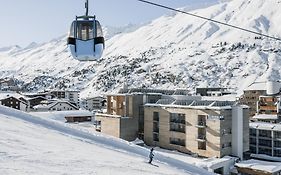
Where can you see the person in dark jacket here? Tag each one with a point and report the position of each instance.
(151, 155)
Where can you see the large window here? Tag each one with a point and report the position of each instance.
(85, 30)
(155, 116)
(155, 137)
(277, 153)
(177, 118)
(177, 141)
(265, 151)
(263, 142)
(277, 134)
(253, 132)
(177, 127)
(265, 133)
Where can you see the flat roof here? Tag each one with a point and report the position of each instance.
(265, 126)
(195, 104)
(266, 116)
(270, 167)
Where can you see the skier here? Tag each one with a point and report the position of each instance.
(151, 155)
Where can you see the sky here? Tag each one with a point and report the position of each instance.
(26, 21)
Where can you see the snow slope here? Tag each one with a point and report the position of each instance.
(31, 145)
(173, 51)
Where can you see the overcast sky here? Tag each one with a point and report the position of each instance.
(25, 21)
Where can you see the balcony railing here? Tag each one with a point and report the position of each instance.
(201, 138)
(201, 124)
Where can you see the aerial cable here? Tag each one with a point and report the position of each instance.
(209, 19)
(87, 7)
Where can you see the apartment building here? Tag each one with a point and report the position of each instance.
(125, 111)
(215, 91)
(94, 103)
(265, 139)
(206, 128)
(251, 96)
(71, 95)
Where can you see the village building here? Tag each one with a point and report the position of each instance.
(125, 111)
(206, 128)
(215, 91)
(55, 105)
(95, 103)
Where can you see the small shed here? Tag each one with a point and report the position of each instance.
(79, 116)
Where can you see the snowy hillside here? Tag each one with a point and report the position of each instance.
(30, 145)
(173, 51)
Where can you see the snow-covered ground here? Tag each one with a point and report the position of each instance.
(32, 145)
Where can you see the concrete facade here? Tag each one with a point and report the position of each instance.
(206, 132)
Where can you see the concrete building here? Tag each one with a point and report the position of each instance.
(265, 139)
(206, 128)
(70, 95)
(212, 91)
(251, 96)
(15, 103)
(55, 105)
(125, 111)
(94, 103)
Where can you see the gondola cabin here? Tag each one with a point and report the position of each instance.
(85, 40)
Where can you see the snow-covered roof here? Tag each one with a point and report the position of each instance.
(270, 167)
(256, 86)
(195, 104)
(4, 95)
(48, 106)
(265, 126)
(266, 117)
(229, 97)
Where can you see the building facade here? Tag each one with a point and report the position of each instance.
(265, 139)
(15, 103)
(206, 128)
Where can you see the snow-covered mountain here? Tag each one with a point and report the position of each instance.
(173, 51)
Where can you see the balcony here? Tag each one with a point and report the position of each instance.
(201, 138)
(201, 124)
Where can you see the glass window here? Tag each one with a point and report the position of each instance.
(71, 32)
(99, 29)
(85, 30)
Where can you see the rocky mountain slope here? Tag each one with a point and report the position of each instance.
(173, 51)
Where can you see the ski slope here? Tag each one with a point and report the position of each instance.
(32, 145)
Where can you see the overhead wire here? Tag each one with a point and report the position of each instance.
(209, 19)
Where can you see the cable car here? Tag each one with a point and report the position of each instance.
(85, 40)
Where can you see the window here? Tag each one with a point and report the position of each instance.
(253, 149)
(265, 133)
(99, 29)
(226, 145)
(177, 118)
(177, 141)
(277, 144)
(177, 127)
(85, 30)
(156, 127)
(156, 137)
(263, 142)
(155, 116)
(253, 132)
(202, 145)
(277, 134)
(265, 151)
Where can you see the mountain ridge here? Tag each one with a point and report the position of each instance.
(175, 51)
